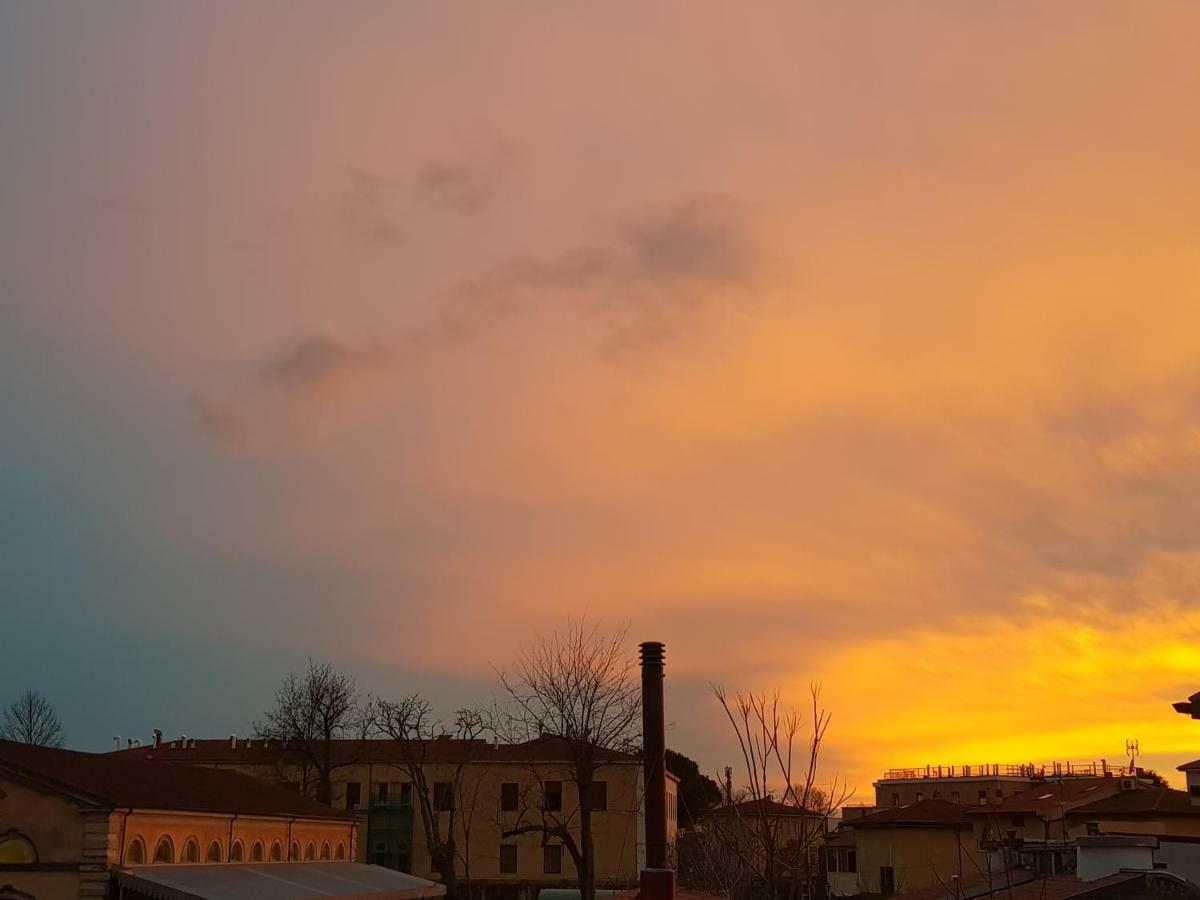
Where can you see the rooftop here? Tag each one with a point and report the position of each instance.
(1027, 771)
(1154, 801)
(111, 780)
(376, 750)
(924, 814)
(765, 807)
(275, 881)
(1052, 796)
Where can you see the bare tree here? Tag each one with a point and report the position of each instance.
(312, 713)
(30, 719)
(776, 837)
(578, 686)
(425, 747)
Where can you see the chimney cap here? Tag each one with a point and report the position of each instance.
(652, 652)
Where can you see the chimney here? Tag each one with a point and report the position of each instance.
(129, 743)
(157, 737)
(183, 741)
(654, 749)
(116, 742)
(233, 742)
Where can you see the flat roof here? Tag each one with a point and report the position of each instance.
(276, 881)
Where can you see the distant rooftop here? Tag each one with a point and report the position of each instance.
(1065, 769)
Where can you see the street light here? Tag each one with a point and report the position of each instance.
(1190, 706)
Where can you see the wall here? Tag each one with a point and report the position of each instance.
(478, 835)
(1097, 862)
(920, 856)
(55, 827)
(1182, 858)
(152, 826)
(944, 789)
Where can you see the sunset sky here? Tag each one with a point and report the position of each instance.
(847, 342)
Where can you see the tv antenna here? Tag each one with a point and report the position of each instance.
(1132, 751)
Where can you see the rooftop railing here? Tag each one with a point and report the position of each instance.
(1066, 769)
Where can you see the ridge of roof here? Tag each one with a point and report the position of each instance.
(114, 781)
(549, 748)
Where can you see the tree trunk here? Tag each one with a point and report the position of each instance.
(587, 876)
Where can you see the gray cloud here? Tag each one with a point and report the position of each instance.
(219, 422)
(469, 182)
(316, 360)
(368, 210)
(646, 281)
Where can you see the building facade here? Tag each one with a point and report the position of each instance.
(494, 789)
(69, 821)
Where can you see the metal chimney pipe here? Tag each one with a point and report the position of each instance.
(654, 749)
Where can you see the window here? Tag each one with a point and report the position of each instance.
(353, 795)
(326, 852)
(214, 852)
(310, 852)
(256, 852)
(405, 789)
(920, 796)
(191, 851)
(236, 851)
(294, 852)
(379, 792)
(16, 849)
(341, 851)
(983, 798)
(954, 798)
(1194, 790)
(552, 857)
(135, 853)
(1093, 828)
(510, 797)
(599, 795)
(508, 859)
(165, 851)
(552, 796)
(443, 796)
(895, 799)
(937, 795)
(851, 861)
(276, 852)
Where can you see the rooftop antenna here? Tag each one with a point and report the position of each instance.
(1132, 751)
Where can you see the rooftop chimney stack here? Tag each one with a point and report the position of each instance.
(157, 737)
(233, 742)
(116, 742)
(654, 741)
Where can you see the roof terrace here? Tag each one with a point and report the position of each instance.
(1066, 769)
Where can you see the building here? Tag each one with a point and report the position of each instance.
(1156, 810)
(1029, 830)
(498, 786)
(69, 822)
(976, 785)
(841, 863)
(906, 848)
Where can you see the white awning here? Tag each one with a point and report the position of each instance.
(274, 881)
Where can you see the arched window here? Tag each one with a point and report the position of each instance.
(341, 850)
(16, 849)
(165, 851)
(256, 852)
(135, 853)
(294, 852)
(310, 852)
(214, 852)
(325, 851)
(191, 851)
(235, 852)
(276, 852)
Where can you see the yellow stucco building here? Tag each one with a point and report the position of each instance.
(499, 786)
(69, 821)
